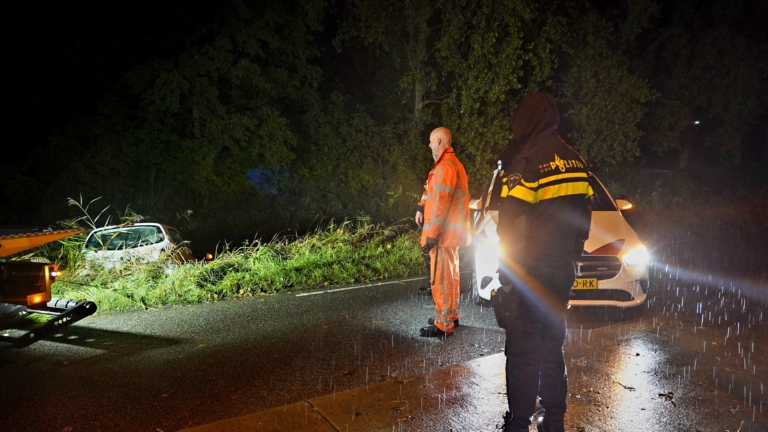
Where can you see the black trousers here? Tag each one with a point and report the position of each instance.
(536, 329)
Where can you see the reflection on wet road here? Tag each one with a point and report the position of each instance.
(694, 359)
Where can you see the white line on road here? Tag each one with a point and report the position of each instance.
(359, 286)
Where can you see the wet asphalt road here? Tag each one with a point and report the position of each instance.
(179, 367)
(694, 358)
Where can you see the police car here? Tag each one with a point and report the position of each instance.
(612, 271)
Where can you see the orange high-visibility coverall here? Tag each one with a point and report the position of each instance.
(446, 219)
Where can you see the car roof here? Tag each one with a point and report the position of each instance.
(137, 224)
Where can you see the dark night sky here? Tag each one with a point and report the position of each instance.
(64, 57)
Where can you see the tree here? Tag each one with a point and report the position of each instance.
(462, 64)
(491, 53)
(476, 58)
(605, 100)
(182, 132)
(708, 67)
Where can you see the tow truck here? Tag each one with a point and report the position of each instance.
(25, 289)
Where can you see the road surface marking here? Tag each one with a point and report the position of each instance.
(359, 286)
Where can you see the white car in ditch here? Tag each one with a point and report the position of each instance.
(115, 245)
(613, 270)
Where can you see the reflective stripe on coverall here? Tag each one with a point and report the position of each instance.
(446, 218)
(445, 286)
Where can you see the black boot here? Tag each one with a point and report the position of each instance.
(431, 321)
(433, 331)
(507, 426)
(551, 423)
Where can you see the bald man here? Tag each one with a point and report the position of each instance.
(446, 228)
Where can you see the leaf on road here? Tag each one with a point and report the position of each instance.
(669, 396)
(626, 387)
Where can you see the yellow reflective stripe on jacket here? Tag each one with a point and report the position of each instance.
(548, 192)
(553, 178)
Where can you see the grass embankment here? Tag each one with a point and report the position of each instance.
(334, 255)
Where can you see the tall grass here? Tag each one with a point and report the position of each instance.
(67, 253)
(335, 254)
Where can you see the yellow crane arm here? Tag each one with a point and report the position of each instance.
(14, 243)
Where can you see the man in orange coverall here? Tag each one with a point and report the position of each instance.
(446, 227)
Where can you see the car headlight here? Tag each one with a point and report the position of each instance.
(636, 256)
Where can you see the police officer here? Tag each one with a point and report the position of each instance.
(544, 218)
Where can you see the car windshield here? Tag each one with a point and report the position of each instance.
(125, 238)
(603, 201)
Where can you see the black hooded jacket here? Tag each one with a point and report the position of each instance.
(544, 213)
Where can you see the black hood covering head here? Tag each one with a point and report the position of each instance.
(534, 120)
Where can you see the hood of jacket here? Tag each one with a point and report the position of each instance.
(534, 120)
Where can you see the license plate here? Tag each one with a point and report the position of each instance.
(585, 284)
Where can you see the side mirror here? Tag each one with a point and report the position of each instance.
(623, 204)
